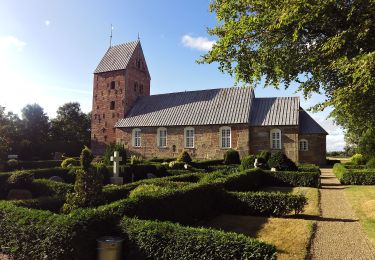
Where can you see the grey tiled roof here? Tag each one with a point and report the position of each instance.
(275, 111)
(307, 125)
(117, 57)
(204, 107)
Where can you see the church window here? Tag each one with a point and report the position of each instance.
(113, 85)
(189, 137)
(225, 137)
(275, 139)
(136, 137)
(303, 145)
(112, 105)
(162, 137)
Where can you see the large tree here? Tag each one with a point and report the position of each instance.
(326, 46)
(70, 130)
(10, 133)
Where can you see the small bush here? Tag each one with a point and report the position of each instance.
(165, 240)
(44, 188)
(281, 162)
(86, 158)
(20, 180)
(12, 164)
(358, 159)
(263, 203)
(147, 190)
(184, 157)
(176, 165)
(247, 162)
(69, 162)
(264, 155)
(371, 163)
(232, 157)
(308, 168)
(354, 176)
(135, 160)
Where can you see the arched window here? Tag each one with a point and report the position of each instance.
(136, 136)
(225, 137)
(162, 137)
(303, 145)
(189, 137)
(275, 138)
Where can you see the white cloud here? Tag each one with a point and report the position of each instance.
(11, 41)
(47, 22)
(335, 137)
(198, 43)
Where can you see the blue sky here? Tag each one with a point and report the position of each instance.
(49, 50)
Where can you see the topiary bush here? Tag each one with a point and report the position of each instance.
(358, 159)
(69, 162)
(264, 154)
(147, 190)
(184, 157)
(247, 162)
(12, 164)
(371, 163)
(176, 165)
(20, 180)
(281, 162)
(232, 156)
(86, 158)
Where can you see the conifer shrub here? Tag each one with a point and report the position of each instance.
(69, 162)
(371, 163)
(184, 157)
(232, 156)
(247, 162)
(281, 162)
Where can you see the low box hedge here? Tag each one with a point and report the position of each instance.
(354, 176)
(262, 203)
(26, 165)
(43, 188)
(291, 179)
(52, 204)
(308, 168)
(147, 239)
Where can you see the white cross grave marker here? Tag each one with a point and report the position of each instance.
(116, 159)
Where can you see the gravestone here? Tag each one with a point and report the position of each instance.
(56, 178)
(19, 194)
(273, 169)
(256, 163)
(116, 159)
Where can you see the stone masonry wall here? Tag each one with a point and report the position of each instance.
(207, 144)
(316, 152)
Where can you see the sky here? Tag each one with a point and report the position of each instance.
(49, 50)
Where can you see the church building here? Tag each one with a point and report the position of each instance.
(205, 123)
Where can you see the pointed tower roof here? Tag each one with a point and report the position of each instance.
(117, 57)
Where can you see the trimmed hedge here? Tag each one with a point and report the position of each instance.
(206, 164)
(308, 168)
(52, 204)
(43, 188)
(164, 240)
(26, 165)
(42, 174)
(354, 176)
(262, 203)
(291, 179)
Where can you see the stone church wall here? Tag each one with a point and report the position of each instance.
(316, 152)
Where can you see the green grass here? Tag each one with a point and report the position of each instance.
(291, 236)
(362, 200)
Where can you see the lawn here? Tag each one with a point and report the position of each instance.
(362, 200)
(291, 236)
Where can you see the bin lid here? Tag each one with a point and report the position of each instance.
(109, 239)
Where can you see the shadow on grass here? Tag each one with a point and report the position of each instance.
(319, 218)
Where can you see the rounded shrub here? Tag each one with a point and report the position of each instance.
(86, 158)
(358, 159)
(276, 160)
(68, 162)
(371, 163)
(232, 157)
(176, 165)
(12, 164)
(247, 162)
(184, 157)
(263, 156)
(20, 180)
(147, 189)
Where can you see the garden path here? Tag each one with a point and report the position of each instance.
(338, 234)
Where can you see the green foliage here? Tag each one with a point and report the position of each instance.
(20, 180)
(44, 188)
(232, 156)
(110, 149)
(264, 155)
(366, 144)
(176, 165)
(354, 176)
(147, 190)
(263, 203)
(12, 164)
(86, 158)
(184, 157)
(135, 160)
(291, 178)
(358, 159)
(69, 162)
(53, 204)
(165, 240)
(280, 161)
(308, 168)
(371, 163)
(247, 162)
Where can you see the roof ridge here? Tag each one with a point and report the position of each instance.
(125, 43)
(198, 90)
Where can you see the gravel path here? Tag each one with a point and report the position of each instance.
(338, 232)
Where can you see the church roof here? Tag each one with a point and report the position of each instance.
(275, 111)
(203, 107)
(308, 125)
(117, 57)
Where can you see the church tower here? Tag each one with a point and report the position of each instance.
(121, 76)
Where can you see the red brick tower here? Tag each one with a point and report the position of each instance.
(121, 76)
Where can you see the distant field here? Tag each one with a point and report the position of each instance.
(342, 159)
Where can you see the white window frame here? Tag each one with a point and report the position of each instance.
(187, 131)
(159, 137)
(275, 139)
(136, 137)
(302, 147)
(224, 139)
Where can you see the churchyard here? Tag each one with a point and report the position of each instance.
(169, 208)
